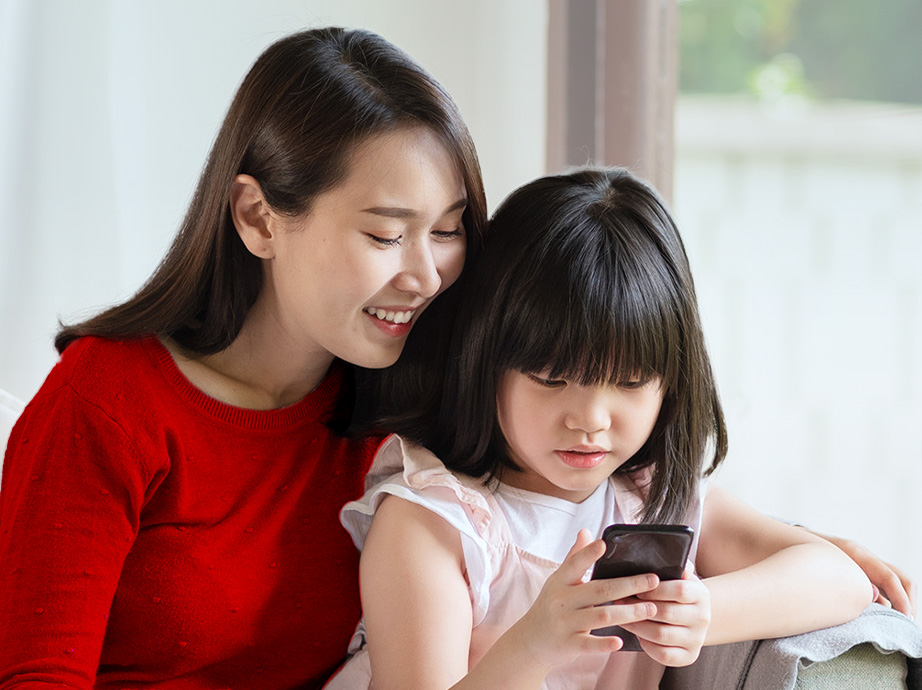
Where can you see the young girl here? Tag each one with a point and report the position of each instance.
(579, 394)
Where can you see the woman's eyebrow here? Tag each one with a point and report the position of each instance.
(399, 212)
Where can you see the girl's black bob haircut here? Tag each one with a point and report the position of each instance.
(584, 276)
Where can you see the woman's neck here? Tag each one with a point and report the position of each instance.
(256, 371)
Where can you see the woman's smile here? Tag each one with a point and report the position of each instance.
(393, 321)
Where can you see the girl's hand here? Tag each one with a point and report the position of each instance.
(675, 635)
(556, 629)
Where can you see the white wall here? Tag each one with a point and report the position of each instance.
(804, 228)
(109, 109)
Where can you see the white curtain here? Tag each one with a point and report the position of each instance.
(108, 110)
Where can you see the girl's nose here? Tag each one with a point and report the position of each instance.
(589, 415)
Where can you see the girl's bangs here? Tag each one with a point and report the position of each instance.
(592, 317)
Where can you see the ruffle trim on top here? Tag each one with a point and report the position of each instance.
(399, 463)
(423, 470)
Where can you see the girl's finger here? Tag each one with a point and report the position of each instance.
(670, 655)
(658, 633)
(619, 590)
(583, 554)
(680, 615)
(583, 539)
(679, 591)
(595, 617)
(666, 643)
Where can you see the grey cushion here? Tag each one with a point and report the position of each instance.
(860, 668)
(878, 649)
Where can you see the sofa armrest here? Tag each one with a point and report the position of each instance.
(881, 644)
(863, 666)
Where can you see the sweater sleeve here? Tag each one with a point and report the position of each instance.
(73, 487)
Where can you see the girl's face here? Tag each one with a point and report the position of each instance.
(350, 278)
(569, 438)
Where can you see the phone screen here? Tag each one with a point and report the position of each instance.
(638, 549)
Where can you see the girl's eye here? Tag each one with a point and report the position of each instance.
(448, 234)
(546, 382)
(631, 385)
(637, 384)
(385, 241)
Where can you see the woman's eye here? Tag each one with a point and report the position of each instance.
(385, 241)
(448, 234)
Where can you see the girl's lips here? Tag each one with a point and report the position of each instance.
(582, 460)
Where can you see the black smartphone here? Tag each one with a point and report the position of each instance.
(638, 549)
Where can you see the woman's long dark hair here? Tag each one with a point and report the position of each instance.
(304, 106)
(584, 275)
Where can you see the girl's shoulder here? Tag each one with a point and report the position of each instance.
(418, 466)
(411, 472)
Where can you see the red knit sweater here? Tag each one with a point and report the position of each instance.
(152, 537)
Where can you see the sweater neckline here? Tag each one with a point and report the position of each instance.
(317, 405)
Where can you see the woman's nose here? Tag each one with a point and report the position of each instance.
(420, 272)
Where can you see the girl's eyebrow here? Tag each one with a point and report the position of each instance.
(399, 212)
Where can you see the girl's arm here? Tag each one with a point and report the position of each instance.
(892, 587)
(419, 618)
(414, 598)
(768, 579)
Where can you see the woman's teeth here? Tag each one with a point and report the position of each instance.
(392, 316)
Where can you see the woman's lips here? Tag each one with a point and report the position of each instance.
(393, 322)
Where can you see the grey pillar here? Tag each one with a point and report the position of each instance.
(612, 84)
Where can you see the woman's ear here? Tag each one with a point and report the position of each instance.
(252, 216)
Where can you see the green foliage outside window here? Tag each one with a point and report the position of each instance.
(824, 49)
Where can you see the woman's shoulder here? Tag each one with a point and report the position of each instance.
(102, 359)
(99, 370)
(105, 383)
(95, 403)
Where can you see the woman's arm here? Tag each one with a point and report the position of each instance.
(71, 478)
(419, 618)
(768, 579)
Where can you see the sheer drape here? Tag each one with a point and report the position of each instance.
(108, 109)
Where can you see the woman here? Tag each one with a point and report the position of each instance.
(170, 497)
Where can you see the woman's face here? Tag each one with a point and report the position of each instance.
(352, 276)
